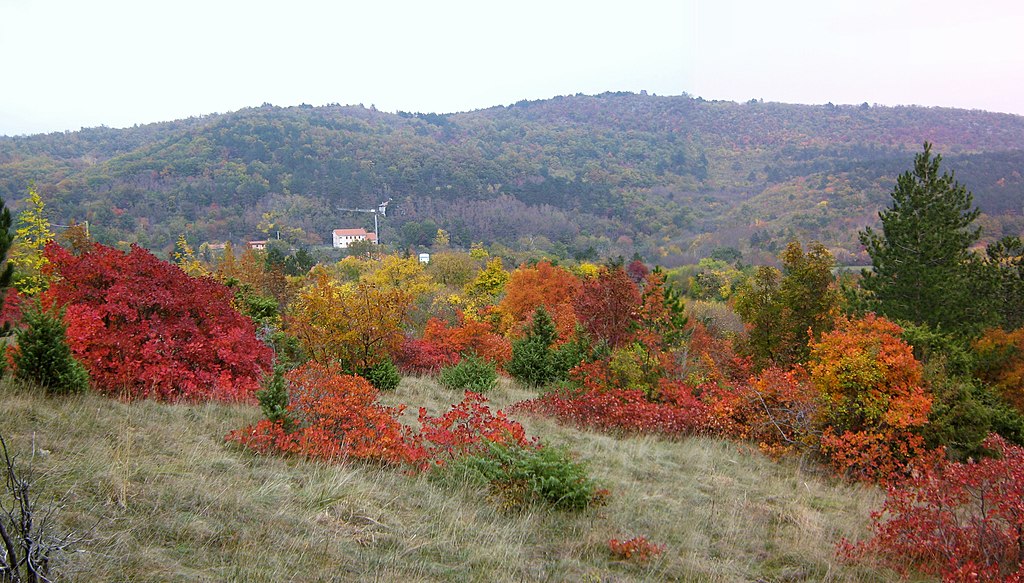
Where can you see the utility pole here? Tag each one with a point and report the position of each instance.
(382, 210)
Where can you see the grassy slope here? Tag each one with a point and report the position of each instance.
(167, 500)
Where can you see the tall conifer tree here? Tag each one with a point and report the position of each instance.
(924, 269)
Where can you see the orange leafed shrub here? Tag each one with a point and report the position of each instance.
(1001, 363)
(872, 402)
(635, 549)
(541, 285)
(330, 415)
(442, 346)
(776, 409)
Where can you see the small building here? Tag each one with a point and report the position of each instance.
(257, 245)
(424, 257)
(345, 237)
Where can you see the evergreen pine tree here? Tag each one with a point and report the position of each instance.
(924, 270)
(43, 355)
(533, 360)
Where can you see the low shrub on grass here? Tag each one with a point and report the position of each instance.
(470, 374)
(520, 476)
(635, 549)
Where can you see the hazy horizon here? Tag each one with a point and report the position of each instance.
(117, 63)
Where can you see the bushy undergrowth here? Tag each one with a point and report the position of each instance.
(330, 415)
(619, 410)
(470, 374)
(960, 521)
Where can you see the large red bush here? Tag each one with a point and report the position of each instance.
(144, 328)
(961, 521)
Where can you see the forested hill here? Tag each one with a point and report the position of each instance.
(669, 177)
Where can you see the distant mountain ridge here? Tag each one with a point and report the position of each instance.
(669, 177)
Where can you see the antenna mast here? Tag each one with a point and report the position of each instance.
(382, 210)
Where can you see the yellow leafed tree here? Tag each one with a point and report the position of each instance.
(357, 325)
(31, 236)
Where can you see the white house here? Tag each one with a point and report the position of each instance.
(345, 237)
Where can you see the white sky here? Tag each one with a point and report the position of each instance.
(67, 64)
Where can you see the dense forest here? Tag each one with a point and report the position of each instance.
(671, 178)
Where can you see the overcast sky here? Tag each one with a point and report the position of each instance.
(67, 64)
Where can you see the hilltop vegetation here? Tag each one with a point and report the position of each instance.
(907, 377)
(588, 176)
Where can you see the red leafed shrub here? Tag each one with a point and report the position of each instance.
(467, 428)
(480, 338)
(624, 410)
(330, 415)
(143, 328)
(960, 521)
(635, 549)
(422, 357)
(713, 358)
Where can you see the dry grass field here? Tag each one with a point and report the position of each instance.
(163, 498)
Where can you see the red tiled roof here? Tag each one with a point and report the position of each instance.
(351, 232)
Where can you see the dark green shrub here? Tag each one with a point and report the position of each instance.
(383, 375)
(471, 373)
(964, 412)
(573, 353)
(288, 349)
(43, 355)
(533, 361)
(273, 397)
(521, 476)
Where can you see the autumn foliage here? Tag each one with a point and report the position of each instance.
(466, 429)
(607, 306)
(541, 285)
(145, 329)
(330, 415)
(1001, 363)
(960, 521)
(442, 345)
(635, 549)
(775, 409)
(626, 411)
(359, 325)
(872, 402)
